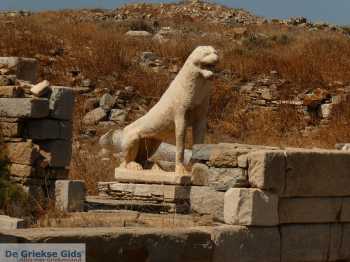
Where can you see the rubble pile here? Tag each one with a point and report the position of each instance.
(36, 122)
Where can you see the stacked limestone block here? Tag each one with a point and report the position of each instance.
(297, 201)
(222, 166)
(148, 191)
(37, 128)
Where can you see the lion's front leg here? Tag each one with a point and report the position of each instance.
(180, 134)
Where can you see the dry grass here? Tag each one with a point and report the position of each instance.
(102, 53)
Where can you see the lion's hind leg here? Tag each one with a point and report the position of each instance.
(130, 148)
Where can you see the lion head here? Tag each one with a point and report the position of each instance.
(204, 58)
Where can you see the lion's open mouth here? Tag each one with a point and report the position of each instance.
(209, 67)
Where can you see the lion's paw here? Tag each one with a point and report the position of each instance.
(134, 166)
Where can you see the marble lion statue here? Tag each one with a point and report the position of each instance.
(184, 104)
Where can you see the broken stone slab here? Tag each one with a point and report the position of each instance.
(204, 152)
(24, 107)
(48, 129)
(9, 223)
(250, 207)
(100, 203)
(11, 91)
(146, 192)
(301, 173)
(95, 116)
(122, 175)
(126, 244)
(313, 210)
(25, 153)
(207, 201)
(246, 244)
(40, 88)
(25, 68)
(59, 152)
(318, 242)
(70, 195)
(61, 102)
(222, 179)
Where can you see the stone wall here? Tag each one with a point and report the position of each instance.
(36, 122)
(296, 201)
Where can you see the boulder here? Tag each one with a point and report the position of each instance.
(138, 33)
(118, 115)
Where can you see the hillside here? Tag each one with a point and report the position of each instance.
(279, 82)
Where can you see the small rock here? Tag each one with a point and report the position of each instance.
(107, 102)
(94, 116)
(118, 115)
(138, 33)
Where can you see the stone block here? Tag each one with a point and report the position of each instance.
(21, 170)
(242, 161)
(25, 153)
(250, 207)
(61, 103)
(40, 88)
(267, 170)
(94, 116)
(317, 173)
(11, 91)
(24, 107)
(9, 223)
(11, 129)
(70, 195)
(301, 173)
(25, 68)
(150, 177)
(222, 179)
(344, 251)
(59, 152)
(246, 244)
(200, 175)
(315, 242)
(205, 200)
(312, 210)
(127, 244)
(226, 158)
(48, 129)
(146, 192)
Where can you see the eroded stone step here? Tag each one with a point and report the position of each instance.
(151, 177)
(105, 204)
